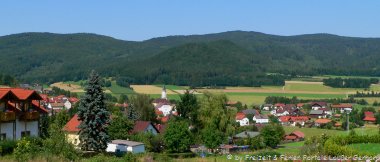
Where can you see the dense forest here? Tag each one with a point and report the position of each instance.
(229, 58)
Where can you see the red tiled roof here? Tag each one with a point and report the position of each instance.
(299, 134)
(141, 126)
(284, 118)
(161, 100)
(290, 137)
(372, 119)
(39, 106)
(299, 118)
(322, 121)
(73, 99)
(165, 119)
(300, 104)
(240, 116)
(368, 114)
(158, 112)
(21, 94)
(341, 106)
(72, 125)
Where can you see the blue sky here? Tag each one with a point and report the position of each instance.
(145, 19)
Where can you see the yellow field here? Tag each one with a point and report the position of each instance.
(71, 87)
(149, 89)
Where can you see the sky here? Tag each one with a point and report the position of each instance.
(139, 20)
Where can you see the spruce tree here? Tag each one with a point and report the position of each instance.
(132, 114)
(94, 116)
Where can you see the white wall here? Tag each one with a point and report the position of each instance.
(123, 148)
(7, 128)
(31, 126)
(243, 122)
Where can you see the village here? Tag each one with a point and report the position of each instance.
(23, 108)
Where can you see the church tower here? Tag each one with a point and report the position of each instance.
(163, 94)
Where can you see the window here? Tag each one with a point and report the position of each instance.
(3, 136)
(25, 133)
(75, 141)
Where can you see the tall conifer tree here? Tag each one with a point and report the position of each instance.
(94, 116)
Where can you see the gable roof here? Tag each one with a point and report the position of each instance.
(279, 105)
(247, 134)
(299, 118)
(141, 126)
(21, 94)
(284, 118)
(316, 112)
(322, 121)
(250, 111)
(298, 134)
(72, 125)
(319, 103)
(240, 116)
(368, 114)
(343, 105)
(260, 116)
(126, 142)
(372, 119)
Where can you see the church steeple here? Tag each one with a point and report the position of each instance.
(163, 94)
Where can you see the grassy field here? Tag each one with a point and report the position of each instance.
(290, 148)
(116, 89)
(366, 147)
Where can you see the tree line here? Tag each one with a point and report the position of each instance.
(350, 82)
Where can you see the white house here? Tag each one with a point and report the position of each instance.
(67, 104)
(20, 111)
(242, 119)
(318, 105)
(165, 109)
(125, 146)
(262, 119)
(267, 107)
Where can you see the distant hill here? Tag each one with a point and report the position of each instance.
(229, 58)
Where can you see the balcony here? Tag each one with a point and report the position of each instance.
(7, 116)
(30, 116)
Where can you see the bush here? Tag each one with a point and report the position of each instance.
(182, 155)
(23, 150)
(7, 147)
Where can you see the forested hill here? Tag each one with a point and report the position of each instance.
(227, 58)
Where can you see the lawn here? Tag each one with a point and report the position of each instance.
(292, 148)
(366, 147)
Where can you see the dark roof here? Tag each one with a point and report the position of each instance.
(319, 103)
(125, 142)
(316, 112)
(249, 111)
(162, 101)
(247, 134)
(260, 116)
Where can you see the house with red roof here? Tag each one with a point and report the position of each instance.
(144, 127)
(20, 111)
(320, 122)
(298, 119)
(318, 105)
(369, 117)
(340, 107)
(295, 136)
(241, 119)
(284, 120)
(71, 129)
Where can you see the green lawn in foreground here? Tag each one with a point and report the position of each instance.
(292, 148)
(366, 147)
(317, 131)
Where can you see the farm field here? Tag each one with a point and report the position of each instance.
(246, 95)
(317, 131)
